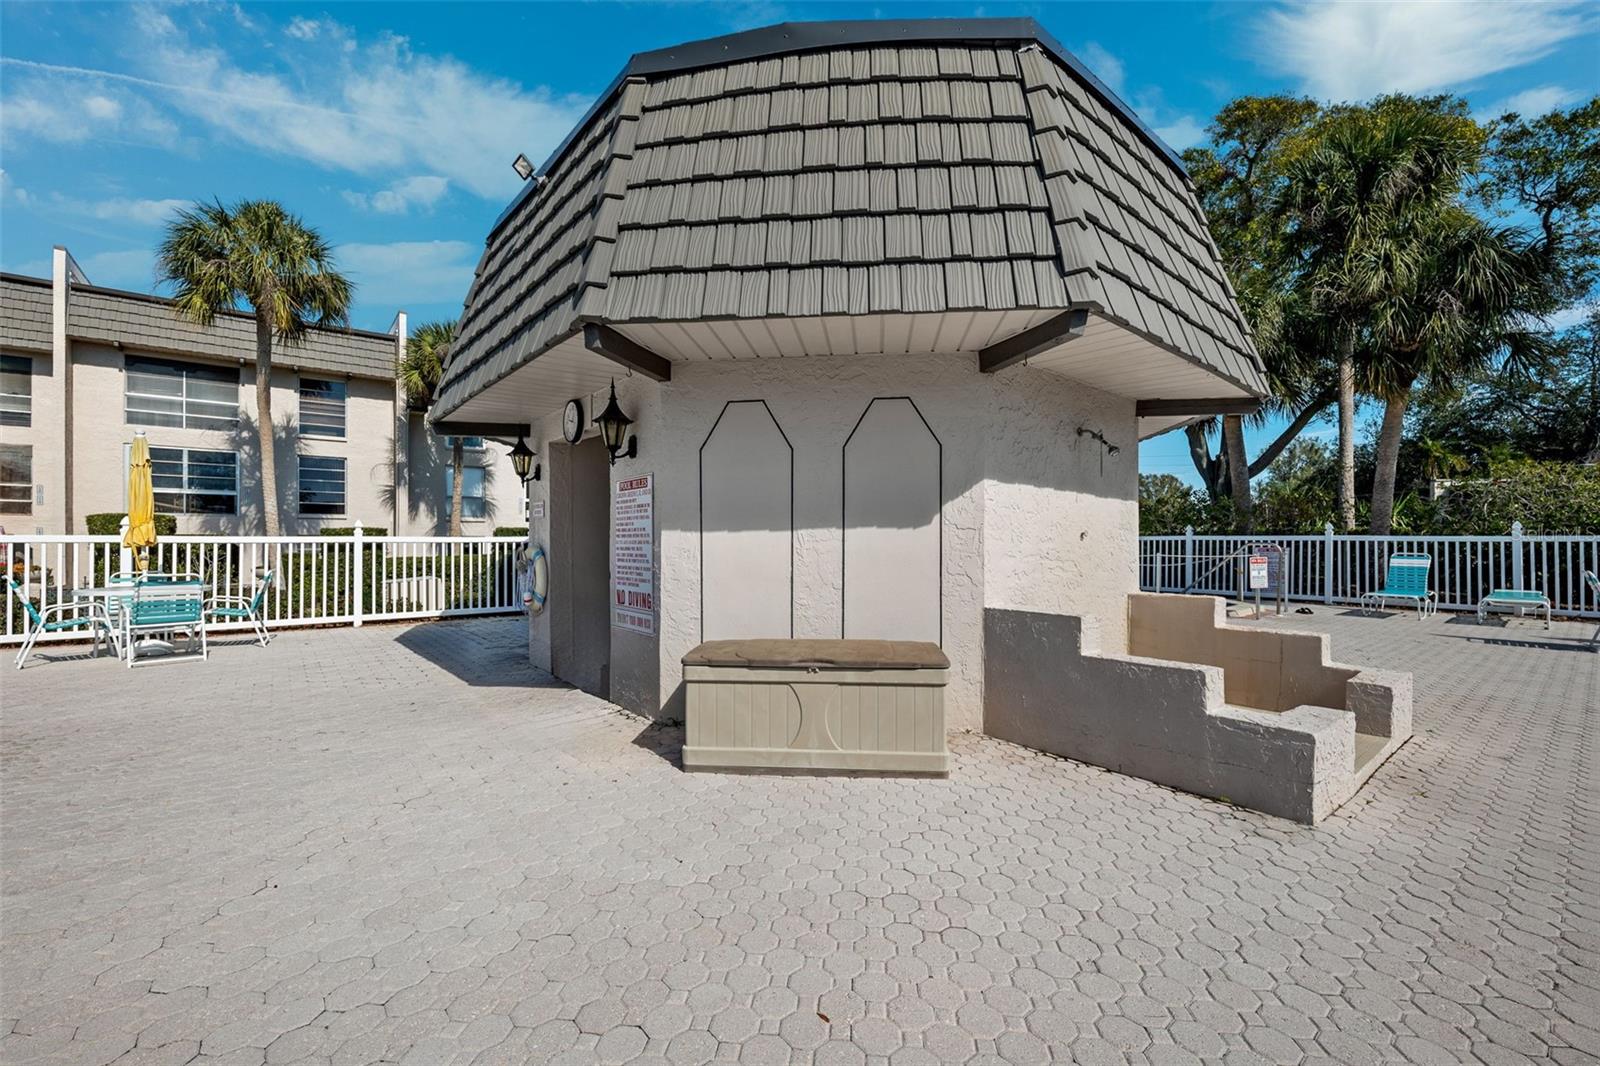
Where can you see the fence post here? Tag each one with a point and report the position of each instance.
(1188, 558)
(357, 585)
(124, 555)
(1327, 563)
(1516, 554)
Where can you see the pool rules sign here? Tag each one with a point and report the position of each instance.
(633, 584)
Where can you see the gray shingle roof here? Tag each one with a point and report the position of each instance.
(892, 176)
(140, 321)
(24, 313)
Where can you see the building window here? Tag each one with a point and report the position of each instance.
(16, 390)
(194, 481)
(471, 444)
(473, 504)
(164, 392)
(16, 479)
(321, 485)
(322, 408)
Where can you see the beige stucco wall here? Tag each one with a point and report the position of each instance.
(428, 504)
(1031, 519)
(100, 430)
(47, 416)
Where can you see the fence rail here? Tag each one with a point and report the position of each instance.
(315, 580)
(1334, 568)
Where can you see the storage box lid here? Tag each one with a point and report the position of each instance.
(820, 654)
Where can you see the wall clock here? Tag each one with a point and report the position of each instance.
(572, 421)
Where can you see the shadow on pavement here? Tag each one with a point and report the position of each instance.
(664, 739)
(483, 652)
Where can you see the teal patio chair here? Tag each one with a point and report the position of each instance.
(65, 617)
(1406, 579)
(1593, 581)
(166, 607)
(243, 609)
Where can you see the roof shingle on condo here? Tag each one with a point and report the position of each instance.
(852, 169)
(151, 324)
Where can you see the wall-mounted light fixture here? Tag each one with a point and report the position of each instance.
(522, 461)
(523, 166)
(1107, 447)
(614, 428)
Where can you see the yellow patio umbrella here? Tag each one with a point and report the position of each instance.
(141, 533)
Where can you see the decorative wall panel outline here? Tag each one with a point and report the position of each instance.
(789, 447)
(844, 516)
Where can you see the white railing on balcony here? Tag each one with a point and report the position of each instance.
(1333, 568)
(315, 580)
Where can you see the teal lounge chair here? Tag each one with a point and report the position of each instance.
(1516, 599)
(65, 617)
(1406, 579)
(239, 608)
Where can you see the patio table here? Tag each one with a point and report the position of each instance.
(107, 593)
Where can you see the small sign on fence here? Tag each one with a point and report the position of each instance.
(1258, 572)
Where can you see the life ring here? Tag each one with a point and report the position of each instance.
(537, 589)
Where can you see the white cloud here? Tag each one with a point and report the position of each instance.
(74, 112)
(368, 108)
(138, 212)
(102, 108)
(421, 191)
(10, 190)
(1568, 317)
(1185, 131)
(1350, 51)
(1106, 66)
(302, 28)
(130, 269)
(1531, 103)
(408, 273)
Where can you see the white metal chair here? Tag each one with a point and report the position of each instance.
(242, 608)
(64, 617)
(1593, 581)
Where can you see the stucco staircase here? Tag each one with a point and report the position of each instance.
(1258, 717)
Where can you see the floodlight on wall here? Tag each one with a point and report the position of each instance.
(614, 429)
(522, 166)
(522, 461)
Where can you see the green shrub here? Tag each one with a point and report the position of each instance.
(350, 531)
(511, 531)
(1548, 498)
(101, 525)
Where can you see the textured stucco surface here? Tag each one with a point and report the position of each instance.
(403, 844)
(1034, 516)
(1052, 685)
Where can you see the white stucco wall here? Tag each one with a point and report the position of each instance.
(1031, 519)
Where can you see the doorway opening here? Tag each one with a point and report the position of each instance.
(580, 578)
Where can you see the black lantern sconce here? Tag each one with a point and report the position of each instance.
(614, 428)
(522, 459)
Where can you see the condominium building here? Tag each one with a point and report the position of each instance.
(83, 368)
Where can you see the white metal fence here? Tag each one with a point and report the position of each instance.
(1332, 568)
(315, 580)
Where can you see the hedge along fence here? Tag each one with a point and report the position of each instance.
(316, 579)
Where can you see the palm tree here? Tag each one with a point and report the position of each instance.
(257, 253)
(427, 351)
(1457, 300)
(1364, 175)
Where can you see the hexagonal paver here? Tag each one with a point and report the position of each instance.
(445, 858)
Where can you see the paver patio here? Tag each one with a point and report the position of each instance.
(405, 845)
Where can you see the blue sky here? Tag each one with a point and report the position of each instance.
(391, 127)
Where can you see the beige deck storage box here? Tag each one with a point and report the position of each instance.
(873, 705)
